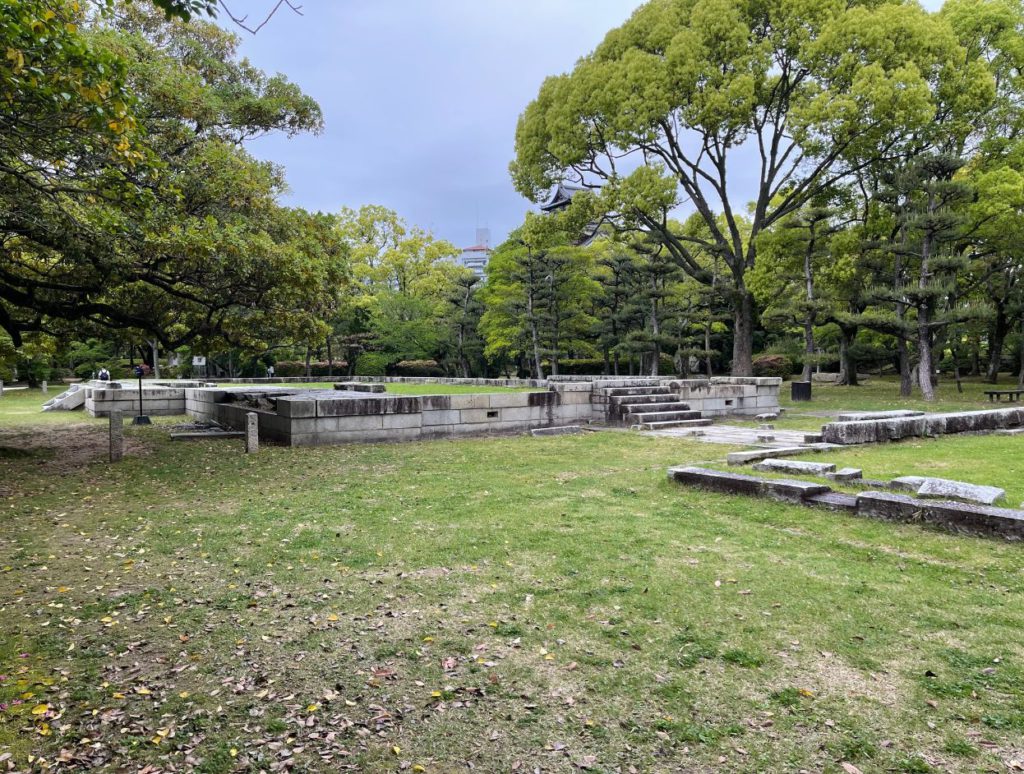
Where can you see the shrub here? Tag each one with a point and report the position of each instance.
(592, 366)
(417, 368)
(371, 364)
(298, 368)
(773, 365)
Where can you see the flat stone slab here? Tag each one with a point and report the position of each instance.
(359, 387)
(1014, 431)
(565, 430)
(967, 518)
(846, 474)
(863, 416)
(739, 483)
(906, 483)
(768, 417)
(795, 466)
(944, 489)
(746, 457)
(835, 501)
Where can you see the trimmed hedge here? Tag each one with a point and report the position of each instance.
(417, 368)
(773, 365)
(316, 368)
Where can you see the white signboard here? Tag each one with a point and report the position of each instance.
(198, 361)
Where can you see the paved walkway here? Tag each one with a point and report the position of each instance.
(736, 435)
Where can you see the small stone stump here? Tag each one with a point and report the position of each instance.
(116, 436)
(46, 387)
(252, 432)
(1, 388)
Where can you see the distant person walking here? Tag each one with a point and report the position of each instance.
(104, 375)
(270, 372)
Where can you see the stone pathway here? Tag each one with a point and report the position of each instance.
(737, 435)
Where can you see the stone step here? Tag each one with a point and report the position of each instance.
(632, 400)
(617, 391)
(646, 417)
(637, 408)
(672, 423)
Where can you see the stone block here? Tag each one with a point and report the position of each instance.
(863, 416)
(944, 489)
(252, 433)
(508, 399)
(442, 417)
(835, 501)
(956, 517)
(469, 401)
(350, 423)
(716, 480)
(435, 403)
(795, 466)
(296, 407)
(401, 421)
(746, 457)
(791, 491)
(562, 430)
(845, 474)
(906, 483)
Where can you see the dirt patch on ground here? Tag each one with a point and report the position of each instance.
(62, 448)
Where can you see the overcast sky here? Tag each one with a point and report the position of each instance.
(420, 99)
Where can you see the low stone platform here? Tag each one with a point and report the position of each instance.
(925, 425)
(737, 435)
(965, 518)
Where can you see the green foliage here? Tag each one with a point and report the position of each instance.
(372, 364)
(773, 365)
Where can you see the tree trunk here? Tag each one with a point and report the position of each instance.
(707, 346)
(906, 378)
(308, 372)
(1020, 374)
(847, 362)
(925, 369)
(156, 358)
(743, 333)
(330, 359)
(996, 337)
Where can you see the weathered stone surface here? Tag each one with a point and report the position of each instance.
(791, 491)
(766, 417)
(739, 483)
(716, 480)
(906, 483)
(835, 501)
(864, 416)
(359, 387)
(116, 436)
(564, 430)
(846, 474)
(746, 457)
(876, 430)
(944, 489)
(252, 432)
(765, 438)
(46, 387)
(766, 427)
(795, 466)
(957, 517)
(1014, 431)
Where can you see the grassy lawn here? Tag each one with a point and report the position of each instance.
(510, 602)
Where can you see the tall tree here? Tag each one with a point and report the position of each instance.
(805, 93)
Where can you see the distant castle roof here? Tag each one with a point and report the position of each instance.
(560, 197)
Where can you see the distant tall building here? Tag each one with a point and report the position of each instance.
(475, 258)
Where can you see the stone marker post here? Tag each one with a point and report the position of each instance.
(116, 436)
(252, 432)
(46, 387)
(1, 388)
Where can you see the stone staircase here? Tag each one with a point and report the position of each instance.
(653, 407)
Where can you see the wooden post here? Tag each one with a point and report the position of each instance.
(252, 433)
(116, 436)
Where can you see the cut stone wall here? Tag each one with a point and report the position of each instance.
(895, 428)
(318, 418)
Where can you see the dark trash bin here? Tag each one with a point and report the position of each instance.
(801, 391)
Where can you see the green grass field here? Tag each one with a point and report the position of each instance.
(511, 603)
